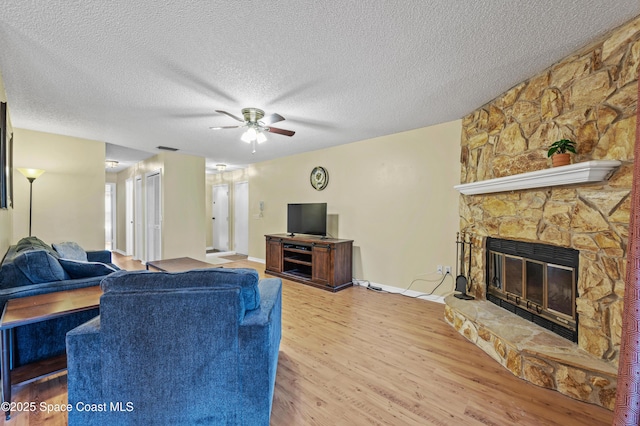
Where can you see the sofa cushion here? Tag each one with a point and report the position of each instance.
(80, 269)
(39, 266)
(70, 250)
(246, 279)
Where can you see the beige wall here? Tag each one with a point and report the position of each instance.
(184, 206)
(68, 199)
(6, 215)
(392, 195)
(111, 177)
(183, 203)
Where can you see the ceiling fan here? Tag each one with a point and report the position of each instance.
(256, 124)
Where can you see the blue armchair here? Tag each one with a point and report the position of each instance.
(197, 347)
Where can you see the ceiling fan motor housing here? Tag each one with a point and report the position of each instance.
(252, 114)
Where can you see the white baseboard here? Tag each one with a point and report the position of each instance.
(390, 289)
(120, 252)
(222, 253)
(395, 290)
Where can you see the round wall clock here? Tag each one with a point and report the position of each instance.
(319, 178)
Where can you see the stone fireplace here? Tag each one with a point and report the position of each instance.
(591, 98)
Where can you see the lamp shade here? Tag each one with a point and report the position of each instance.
(31, 173)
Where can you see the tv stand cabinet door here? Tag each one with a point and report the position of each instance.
(322, 265)
(274, 255)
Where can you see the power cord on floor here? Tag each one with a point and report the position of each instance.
(369, 286)
(432, 291)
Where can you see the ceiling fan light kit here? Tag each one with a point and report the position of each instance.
(256, 126)
(249, 135)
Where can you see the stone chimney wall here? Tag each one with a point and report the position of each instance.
(591, 98)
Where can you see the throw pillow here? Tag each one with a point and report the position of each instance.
(39, 266)
(71, 250)
(79, 269)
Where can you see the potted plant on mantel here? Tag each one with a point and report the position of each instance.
(559, 152)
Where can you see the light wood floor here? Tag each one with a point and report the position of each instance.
(358, 357)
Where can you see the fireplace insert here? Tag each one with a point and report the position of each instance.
(535, 281)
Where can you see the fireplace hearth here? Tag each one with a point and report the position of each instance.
(537, 282)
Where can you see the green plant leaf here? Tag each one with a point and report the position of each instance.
(561, 147)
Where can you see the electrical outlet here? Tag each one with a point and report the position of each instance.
(440, 269)
(447, 269)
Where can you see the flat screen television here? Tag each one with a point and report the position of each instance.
(307, 218)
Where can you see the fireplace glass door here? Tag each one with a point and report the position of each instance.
(540, 286)
(560, 281)
(535, 281)
(513, 275)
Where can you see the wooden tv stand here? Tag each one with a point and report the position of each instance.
(325, 263)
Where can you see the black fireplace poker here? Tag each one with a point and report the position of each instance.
(462, 281)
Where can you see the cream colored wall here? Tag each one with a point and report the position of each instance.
(184, 206)
(6, 215)
(68, 199)
(392, 195)
(183, 203)
(111, 177)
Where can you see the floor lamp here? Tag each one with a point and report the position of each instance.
(31, 175)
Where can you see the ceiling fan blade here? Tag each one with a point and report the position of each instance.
(224, 127)
(281, 131)
(230, 115)
(273, 118)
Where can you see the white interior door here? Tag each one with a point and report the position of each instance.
(110, 216)
(221, 217)
(241, 218)
(154, 219)
(129, 216)
(139, 221)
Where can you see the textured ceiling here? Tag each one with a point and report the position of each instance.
(144, 73)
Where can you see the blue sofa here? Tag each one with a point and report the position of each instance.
(32, 267)
(196, 347)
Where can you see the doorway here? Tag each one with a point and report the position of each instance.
(110, 216)
(139, 230)
(241, 218)
(220, 217)
(154, 217)
(129, 216)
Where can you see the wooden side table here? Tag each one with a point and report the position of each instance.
(33, 309)
(179, 264)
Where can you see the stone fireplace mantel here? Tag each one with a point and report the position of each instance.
(585, 172)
